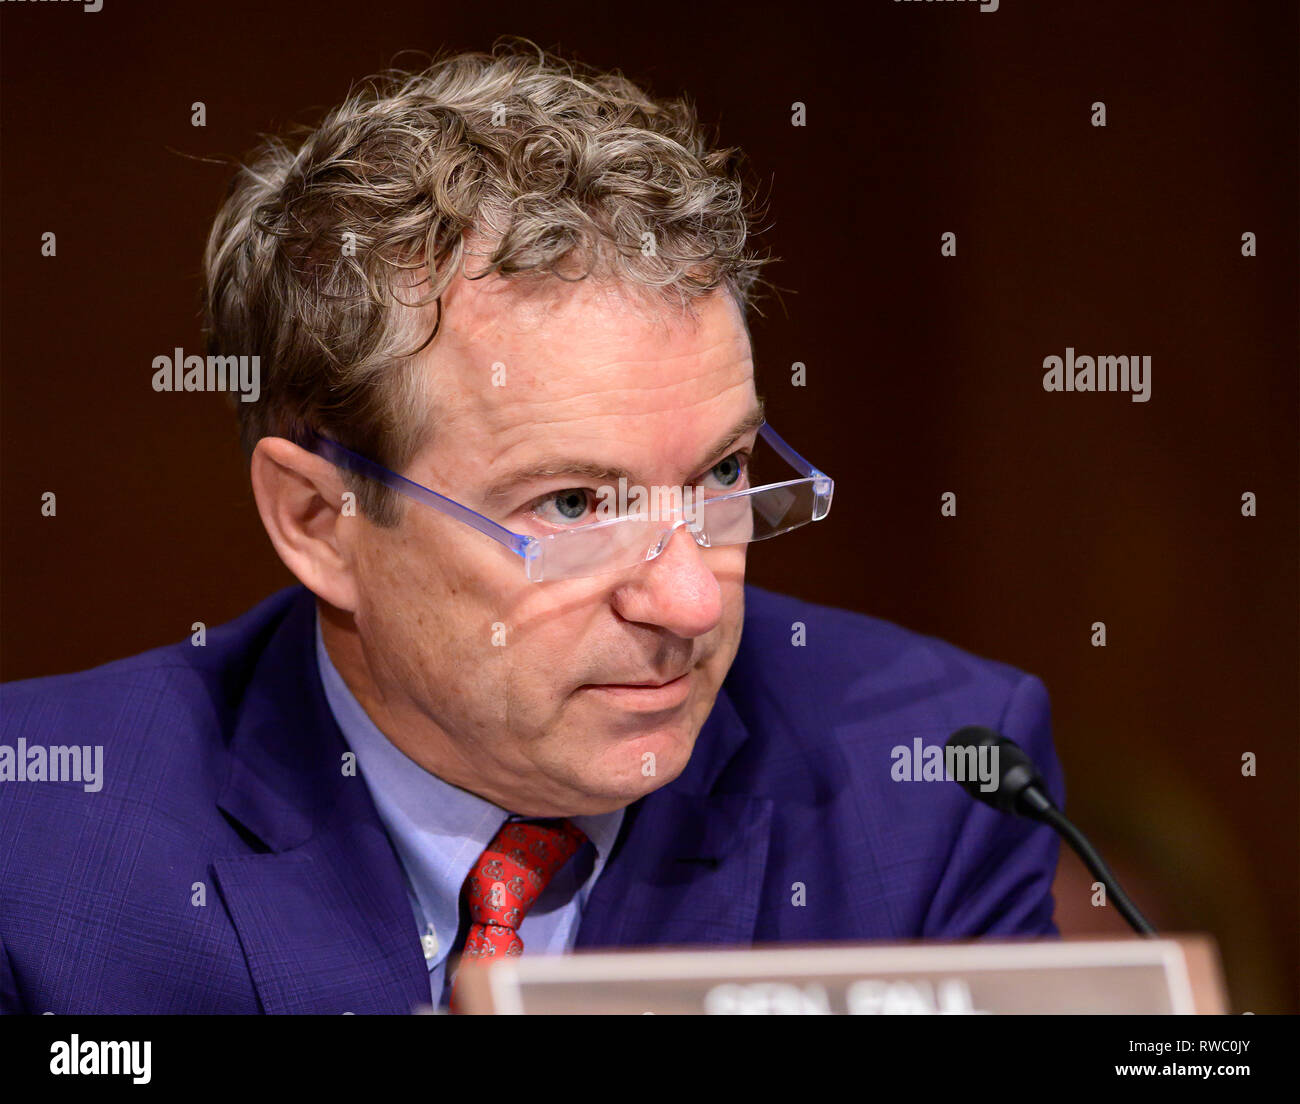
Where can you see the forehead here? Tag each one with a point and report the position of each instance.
(580, 364)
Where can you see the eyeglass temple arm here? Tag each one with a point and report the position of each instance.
(790, 456)
(345, 458)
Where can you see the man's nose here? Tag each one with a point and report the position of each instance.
(676, 589)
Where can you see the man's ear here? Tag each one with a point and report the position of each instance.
(299, 497)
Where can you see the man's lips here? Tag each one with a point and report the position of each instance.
(646, 684)
(644, 696)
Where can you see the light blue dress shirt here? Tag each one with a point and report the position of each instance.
(439, 831)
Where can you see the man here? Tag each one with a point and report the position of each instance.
(523, 700)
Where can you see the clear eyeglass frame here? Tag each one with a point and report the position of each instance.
(613, 544)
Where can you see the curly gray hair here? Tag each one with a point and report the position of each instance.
(536, 166)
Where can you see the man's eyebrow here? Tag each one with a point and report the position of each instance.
(552, 466)
(747, 424)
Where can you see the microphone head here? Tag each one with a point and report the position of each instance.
(1016, 773)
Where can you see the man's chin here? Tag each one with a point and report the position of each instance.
(636, 766)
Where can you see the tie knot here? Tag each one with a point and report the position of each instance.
(515, 867)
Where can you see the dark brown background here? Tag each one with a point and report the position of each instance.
(924, 372)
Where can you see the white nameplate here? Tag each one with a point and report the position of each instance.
(1175, 975)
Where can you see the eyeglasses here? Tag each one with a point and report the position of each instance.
(594, 548)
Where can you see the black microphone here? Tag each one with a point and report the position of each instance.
(1021, 791)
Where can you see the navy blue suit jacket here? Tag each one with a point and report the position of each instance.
(229, 865)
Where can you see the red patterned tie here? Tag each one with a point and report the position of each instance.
(508, 877)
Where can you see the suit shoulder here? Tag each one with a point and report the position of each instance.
(137, 695)
(838, 639)
(835, 662)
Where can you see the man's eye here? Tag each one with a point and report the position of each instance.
(729, 473)
(564, 507)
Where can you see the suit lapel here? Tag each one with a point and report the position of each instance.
(323, 915)
(689, 863)
(325, 928)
